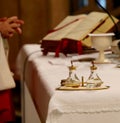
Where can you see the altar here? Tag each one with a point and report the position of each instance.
(41, 75)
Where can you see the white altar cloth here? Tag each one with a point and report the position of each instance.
(43, 75)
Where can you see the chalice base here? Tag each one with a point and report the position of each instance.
(104, 61)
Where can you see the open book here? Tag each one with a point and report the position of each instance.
(77, 28)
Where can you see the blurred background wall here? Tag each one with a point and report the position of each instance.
(42, 15)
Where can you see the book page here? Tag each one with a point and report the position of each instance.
(105, 27)
(65, 27)
(93, 20)
(76, 30)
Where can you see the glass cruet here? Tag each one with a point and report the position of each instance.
(94, 79)
(72, 79)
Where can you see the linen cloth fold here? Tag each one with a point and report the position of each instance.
(6, 79)
(6, 83)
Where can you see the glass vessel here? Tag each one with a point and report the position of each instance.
(72, 80)
(94, 80)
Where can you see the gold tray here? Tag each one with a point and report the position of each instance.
(64, 88)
